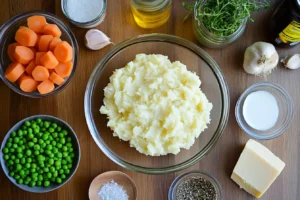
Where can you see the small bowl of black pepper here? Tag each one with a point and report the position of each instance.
(195, 185)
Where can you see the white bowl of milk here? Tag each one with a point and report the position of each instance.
(264, 111)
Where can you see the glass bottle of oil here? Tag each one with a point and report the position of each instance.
(151, 13)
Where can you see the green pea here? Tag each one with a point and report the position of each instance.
(8, 145)
(33, 166)
(39, 183)
(69, 159)
(69, 166)
(53, 143)
(20, 181)
(23, 147)
(51, 130)
(55, 135)
(17, 160)
(15, 146)
(58, 145)
(29, 130)
(20, 143)
(27, 165)
(29, 160)
(46, 183)
(11, 173)
(32, 170)
(51, 155)
(32, 183)
(6, 157)
(28, 179)
(20, 132)
(55, 174)
(65, 132)
(68, 144)
(38, 120)
(62, 140)
(64, 162)
(30, 136)
(12, 157)
(51, 161)
(43, 145)
(41, 141)
(13, 134)
(20, 155)
(22, 172)
(35, 140)
(23, 160)
(50, 138)
(64, 167)
(43, 129)
(40, 171)
(19, 149)
(18, 167)
(42, 151)
(58, 129)
(47, 142)
(46, 169)
(27, 123)
(46, 124)
(35, 178)
(61, 135)
(59, 155)
(40, 177)
(62, 176)
(65, 154)
(36, 153)
(16, 140)
(36, 147)
(64, 148)
(61, 171)
(54, 150)
(33, 126)
(28, 152)
(5, 150)
(49, 175)
(36, 130)
(49, 147)
(17, 176)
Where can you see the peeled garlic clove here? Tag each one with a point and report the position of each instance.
(95, 39)
(292, 62)
(260, 58)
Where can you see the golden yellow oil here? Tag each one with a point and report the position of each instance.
(151, 19)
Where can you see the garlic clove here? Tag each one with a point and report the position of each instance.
(96, 39)
(291, 62)
(260, 59)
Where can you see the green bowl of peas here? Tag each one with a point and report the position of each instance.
(40, 153)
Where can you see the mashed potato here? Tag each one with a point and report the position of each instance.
(156, 105)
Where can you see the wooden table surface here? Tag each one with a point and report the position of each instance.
(68, 105)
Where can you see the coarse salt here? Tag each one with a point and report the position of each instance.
(83, 10)
(112, 191)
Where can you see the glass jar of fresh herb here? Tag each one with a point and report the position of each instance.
(218, 23)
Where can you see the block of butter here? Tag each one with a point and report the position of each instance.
(256, 169)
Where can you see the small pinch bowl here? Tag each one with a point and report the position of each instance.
(7, 34)
(76, 161)
(120, 178)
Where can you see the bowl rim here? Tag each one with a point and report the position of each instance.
(18, 124)
(206, 175)
(70, 34)
(290, 109)
(157, 37)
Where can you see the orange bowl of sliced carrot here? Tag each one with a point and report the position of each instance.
(39, 54)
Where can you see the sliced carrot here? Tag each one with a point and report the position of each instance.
(11, 50)
(14, 71)
(63, 52)
(44, 42)
(27, 83)
(45, 87)
(36, 23)
(38, 56)
(40, 73)
(54, 42)
(55, 78)
(64, 69)
(48, 60)
(23, 54)
(37, 41)
(33, 49)
(30, 67)
(25, 36)
(52, 29)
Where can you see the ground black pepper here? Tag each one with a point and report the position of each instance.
(196, 188)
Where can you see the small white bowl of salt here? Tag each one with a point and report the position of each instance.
(113, 185)
(264, 111)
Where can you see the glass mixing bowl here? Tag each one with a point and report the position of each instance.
(177, 49)
(7, 34)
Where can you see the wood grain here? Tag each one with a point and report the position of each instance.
(68, 105)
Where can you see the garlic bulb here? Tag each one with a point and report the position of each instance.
(260, 59)
(292, 62)
(95, 39)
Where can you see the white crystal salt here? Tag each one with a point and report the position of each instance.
(112, 191)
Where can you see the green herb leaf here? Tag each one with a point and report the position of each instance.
(224, 17)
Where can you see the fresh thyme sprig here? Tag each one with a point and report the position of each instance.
(224, 17)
